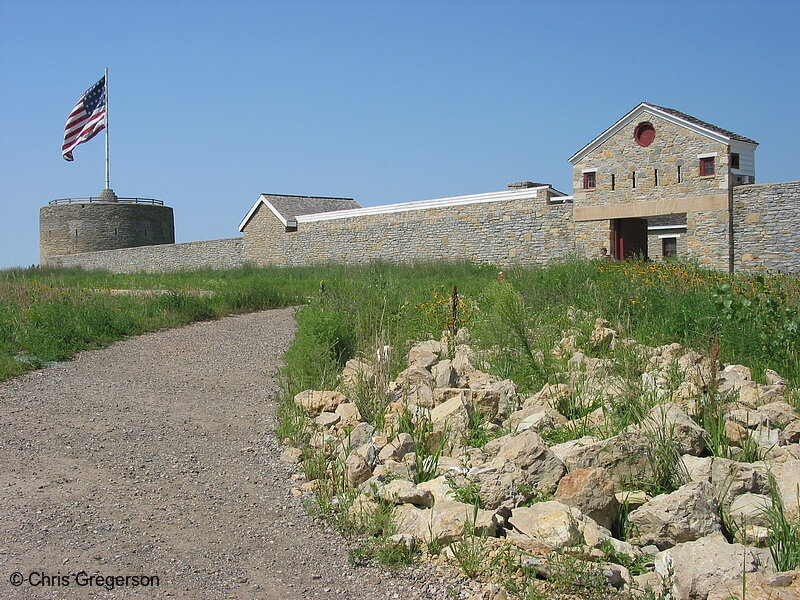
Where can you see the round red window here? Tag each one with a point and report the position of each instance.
(644, 134)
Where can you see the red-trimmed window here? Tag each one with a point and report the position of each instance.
(589, 181)
(706, 166)
(734, 160)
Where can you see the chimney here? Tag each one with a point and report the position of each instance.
(521, 185)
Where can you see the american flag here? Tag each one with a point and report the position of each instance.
(87, 119)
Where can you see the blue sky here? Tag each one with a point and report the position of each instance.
(212, 103)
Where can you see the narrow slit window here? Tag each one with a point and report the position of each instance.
(680, 174)
(655, 176)
(633, 179)
(613, 182)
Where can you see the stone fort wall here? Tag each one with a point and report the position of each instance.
(530, 230)
(163, 258)
(766, 229)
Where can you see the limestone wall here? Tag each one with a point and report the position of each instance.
(660, 190)
(672, 147)
(91, 226)
(766, 227)
(504, 232)
(163, 258)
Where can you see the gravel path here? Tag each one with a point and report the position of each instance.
(156, 457)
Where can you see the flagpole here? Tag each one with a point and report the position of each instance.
(108, 177)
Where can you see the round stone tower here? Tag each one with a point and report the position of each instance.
(105, 222)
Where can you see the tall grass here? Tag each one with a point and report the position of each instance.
(51, 314)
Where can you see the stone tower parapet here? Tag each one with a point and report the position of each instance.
(77, 225)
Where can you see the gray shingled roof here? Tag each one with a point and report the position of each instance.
(696, 121)
(292, 206)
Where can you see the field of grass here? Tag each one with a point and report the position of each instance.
(48, 315)
(754, 320)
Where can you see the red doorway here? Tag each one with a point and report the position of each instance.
(629, 238)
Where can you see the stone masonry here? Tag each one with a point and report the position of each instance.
(634, 181)
(766, 226)
(165, 258)
(531, 230)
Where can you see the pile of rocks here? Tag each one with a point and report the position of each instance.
(570, 497)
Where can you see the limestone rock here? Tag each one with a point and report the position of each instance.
(401, 491)
(397, 448)
(357, 372)
(548, 396)
(439, 488)
(780, 413)
(356, 469)
(530, 453)
(291, 455)
(623, 456)
(749, 509)
(592, 492)
(632, 499)
(326, 420)
(363, 508)
(602, 336)
(501, 483)
(538, 418)
(669, 419)
(569, 452)
(682, 516)
(444, 375)
(556, 525)
(729, 478)
(421, 351)
(414, 376)
(423, 360)
(392, 469)
(349, 414)
(463, 360)
(445, 523)
(314, 402)
(453, 414)
(787, 479)
(792, 432)
(485, 401)
(709, 562)
(761, 586)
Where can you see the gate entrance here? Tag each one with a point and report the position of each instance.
(629, 238)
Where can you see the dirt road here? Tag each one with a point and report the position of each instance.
(155, 458)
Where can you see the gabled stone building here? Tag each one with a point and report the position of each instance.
(660, 183)
(657, 183)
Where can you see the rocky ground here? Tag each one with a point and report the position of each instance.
(156, 457)
(687, 506)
